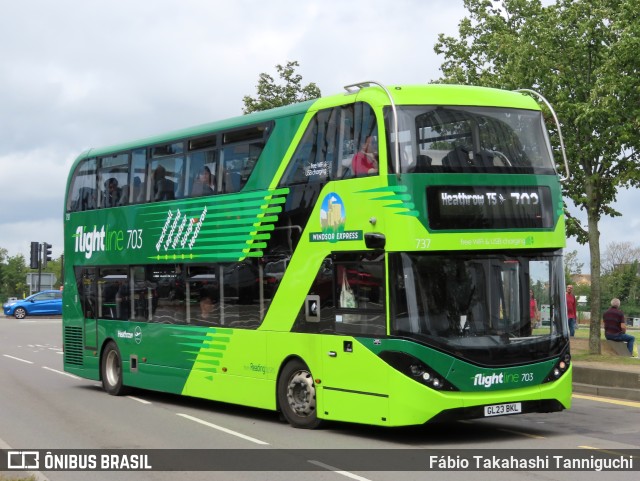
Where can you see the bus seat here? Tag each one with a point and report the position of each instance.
(86, 199)
(423, 162)
(403, 324)
(457, 158)
(124, 196)
(165, 190)
(484, 158)
(439, 323)
(345, 170)
(232, 181)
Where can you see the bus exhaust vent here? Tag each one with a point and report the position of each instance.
(73, 345)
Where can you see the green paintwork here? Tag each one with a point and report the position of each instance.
(463, 375)
(242, 366)
(224, 228)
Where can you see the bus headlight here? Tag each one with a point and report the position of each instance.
(559, 368)
(417, 370)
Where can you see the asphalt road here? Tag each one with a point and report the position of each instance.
(42, 407)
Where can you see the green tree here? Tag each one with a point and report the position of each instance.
(13, 276)
(622, 282)
(55, 267)
(271, 95)
(3, 289)
(572, 265)
(582, 55)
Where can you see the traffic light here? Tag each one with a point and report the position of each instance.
(46, 254)
(35, 255)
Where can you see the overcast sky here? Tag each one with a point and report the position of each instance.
(79, 74)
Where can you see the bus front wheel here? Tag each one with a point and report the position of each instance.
(297, 395)
(111, 370)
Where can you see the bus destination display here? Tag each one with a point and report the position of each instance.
(489, 207)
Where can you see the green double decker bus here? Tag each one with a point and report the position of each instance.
(371, 257)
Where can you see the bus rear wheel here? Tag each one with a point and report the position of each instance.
(111, 370)
(297, 395)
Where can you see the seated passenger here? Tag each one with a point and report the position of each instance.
(138, 190)
(204, 184)
(163, 188)
(365, 162)
(207, 301)
(112, 192)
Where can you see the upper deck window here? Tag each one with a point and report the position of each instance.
(112, 180)
(82, 194)
(471, 139)
(339, 143)
(166, 172)
(212, 163)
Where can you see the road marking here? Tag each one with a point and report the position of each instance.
(608, 451)
(338, 471)
(224, 430)
(143, 401)
(608, 400)
(41, 321)
(17, 359)
(60, 372)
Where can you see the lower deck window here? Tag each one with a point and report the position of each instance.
(349, 295)
(230, 294)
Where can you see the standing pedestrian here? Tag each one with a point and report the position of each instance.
(571, 310)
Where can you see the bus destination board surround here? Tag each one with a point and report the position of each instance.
(489, 207)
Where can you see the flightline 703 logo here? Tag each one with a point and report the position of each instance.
(97, 240)
(488, 380)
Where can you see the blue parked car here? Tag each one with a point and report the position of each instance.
(41, 303)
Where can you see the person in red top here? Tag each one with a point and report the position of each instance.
(534, 314)
(615, 327)
(365, 162)
(571, 310)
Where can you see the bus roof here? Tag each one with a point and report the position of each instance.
(431, 94)
(202, 129)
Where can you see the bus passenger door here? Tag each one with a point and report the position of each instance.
(354, 379)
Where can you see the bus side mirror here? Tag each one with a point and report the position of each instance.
(375, 240)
